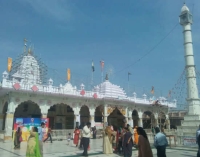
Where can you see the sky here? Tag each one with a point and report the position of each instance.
(72, 33)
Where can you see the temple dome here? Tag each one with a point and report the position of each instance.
(109, 90)
(28, 70)
(184, 9)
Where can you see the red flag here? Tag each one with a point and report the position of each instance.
(102, 65)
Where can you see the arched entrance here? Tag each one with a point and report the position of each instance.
(135, 118)
(161, 120)
(116, 118)
(148, 119)
(61, 116)
(5, 108)
(84, 115)
(98, 114)
(27, 109)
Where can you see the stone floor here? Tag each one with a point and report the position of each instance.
(61, 149)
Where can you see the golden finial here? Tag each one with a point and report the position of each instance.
(29, 51)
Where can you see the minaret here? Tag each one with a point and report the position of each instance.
(193, 100)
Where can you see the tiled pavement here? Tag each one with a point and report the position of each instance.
(61, 149)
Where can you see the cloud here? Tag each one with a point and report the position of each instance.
(58, 10)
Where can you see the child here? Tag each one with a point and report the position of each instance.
(69, 138)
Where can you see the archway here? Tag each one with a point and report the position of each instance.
(84, 115)
(27, 109)
(116, 118)
(148, 119)
(135, 118)
(5, 108)
(61, 116)
(98, 114)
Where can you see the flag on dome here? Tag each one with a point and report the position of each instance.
(93, 67)
(152, 90)
(9, 64)
(68, 74)
(102, 65)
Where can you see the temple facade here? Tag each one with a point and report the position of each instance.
(23, 93)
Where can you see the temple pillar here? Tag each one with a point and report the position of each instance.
(9, 126)
(105, 116)
(140, 122)
(167, 122)
(156, 124)
(130, 119)
(92, 114)
(77, 116)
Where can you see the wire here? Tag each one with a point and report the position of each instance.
(153, 48)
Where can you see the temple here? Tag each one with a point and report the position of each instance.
(26, 92)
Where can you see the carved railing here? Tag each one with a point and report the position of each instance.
(90, 94)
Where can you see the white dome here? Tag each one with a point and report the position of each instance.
(110, 90)
(184, 9)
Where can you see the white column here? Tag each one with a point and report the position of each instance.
(105, 115)
(76, 115)
(156, 120)
(130, 119)
(167, 121)
(9, 126)
(140, 122)
(92, 114)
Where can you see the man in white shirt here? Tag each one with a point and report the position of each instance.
(86, 138)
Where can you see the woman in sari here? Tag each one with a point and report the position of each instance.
(18, 138)
(76, 136)
(144, 148)
(135, 133)
(33, 149)
(107, 140)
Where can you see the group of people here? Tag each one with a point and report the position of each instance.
(114, 140)
(34, 143)
(127, 138)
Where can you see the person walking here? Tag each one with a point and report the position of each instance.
(128, 143)
(144, 148)
(76, 136)
(41, 134)
(160, 142)
(17, 138)
(33, 149)
(86, 138)
(48, 135)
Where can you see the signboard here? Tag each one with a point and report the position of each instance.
(26, 125)
(189, 141)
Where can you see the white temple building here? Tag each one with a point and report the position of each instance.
(23, 93)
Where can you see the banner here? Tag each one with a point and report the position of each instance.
(26, 125)
(189, 141)
(9, 64)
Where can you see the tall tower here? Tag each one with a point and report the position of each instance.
(193, 100)
(192, 120)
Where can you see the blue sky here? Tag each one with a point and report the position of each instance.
(72, 33)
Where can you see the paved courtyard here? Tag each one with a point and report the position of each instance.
(61, 149)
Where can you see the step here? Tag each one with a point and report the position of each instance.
(192, 117)
(190, 123)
